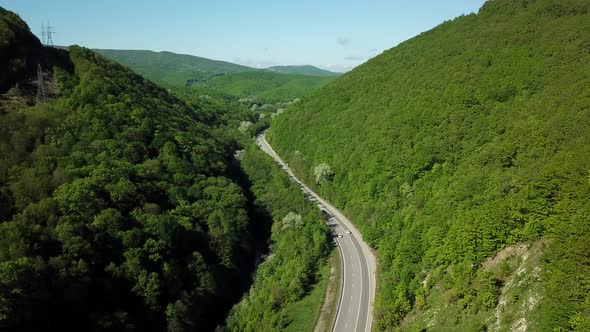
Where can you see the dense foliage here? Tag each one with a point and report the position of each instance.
(225, 111)
(299, 245)
(116, 209)
(267, 85)
(456, 143)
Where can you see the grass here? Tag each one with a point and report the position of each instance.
(327, 317)
(304, 314)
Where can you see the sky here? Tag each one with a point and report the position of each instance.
(331, 34)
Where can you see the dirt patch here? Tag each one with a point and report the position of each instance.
(520, 294)
(508, 252)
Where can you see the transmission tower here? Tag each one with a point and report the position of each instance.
(49, 33)
(43, 34)
(41, 95)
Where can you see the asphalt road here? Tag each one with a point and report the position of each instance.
(359, 264)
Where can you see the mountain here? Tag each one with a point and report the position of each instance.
(176, 70)
(16, 44)
(463, 155)
(118, 209)
(267, 85)
(171, 68)
(126, 208)
(303, 70)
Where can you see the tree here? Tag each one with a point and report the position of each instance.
(323, 172)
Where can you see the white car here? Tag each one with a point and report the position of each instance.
(348, 232)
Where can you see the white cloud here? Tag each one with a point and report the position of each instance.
(343, 41)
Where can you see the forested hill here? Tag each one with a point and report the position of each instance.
(267, 85)
(303, 70)
(172, 68)
(116, 209)
(457, 144)
(179, 70)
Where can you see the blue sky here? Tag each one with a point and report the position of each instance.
(336, 35)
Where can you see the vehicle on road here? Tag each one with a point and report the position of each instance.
(354, 311)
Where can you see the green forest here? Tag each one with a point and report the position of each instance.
(299, 246)
(171, 68)
(268, 85)
(122, 206)
(456, 144)
(117, 210)
(135, 199)
(281, 83)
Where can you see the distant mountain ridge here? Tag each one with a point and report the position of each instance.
(303, 70)
(171, 68)
(176, 69)
(275, 83)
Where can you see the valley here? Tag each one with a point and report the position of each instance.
(440, 185)
(358, 261)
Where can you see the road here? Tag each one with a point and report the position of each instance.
(358, 262)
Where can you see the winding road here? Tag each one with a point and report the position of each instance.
(358, 262)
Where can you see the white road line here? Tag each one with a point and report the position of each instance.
(341, 224)
(361, 291)
(343, 283)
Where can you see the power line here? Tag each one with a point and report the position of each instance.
(49, 33)
(43, 34)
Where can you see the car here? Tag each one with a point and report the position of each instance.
(340, 235)
(348, 232)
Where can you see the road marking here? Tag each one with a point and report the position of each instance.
(361, 288)
(267, 148)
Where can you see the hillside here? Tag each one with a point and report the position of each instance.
(303, 70)
(467, 141)
(126, 208)
(171, 68)
(117, 206)
(178, 70)
(13, 39)
(267, 85)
